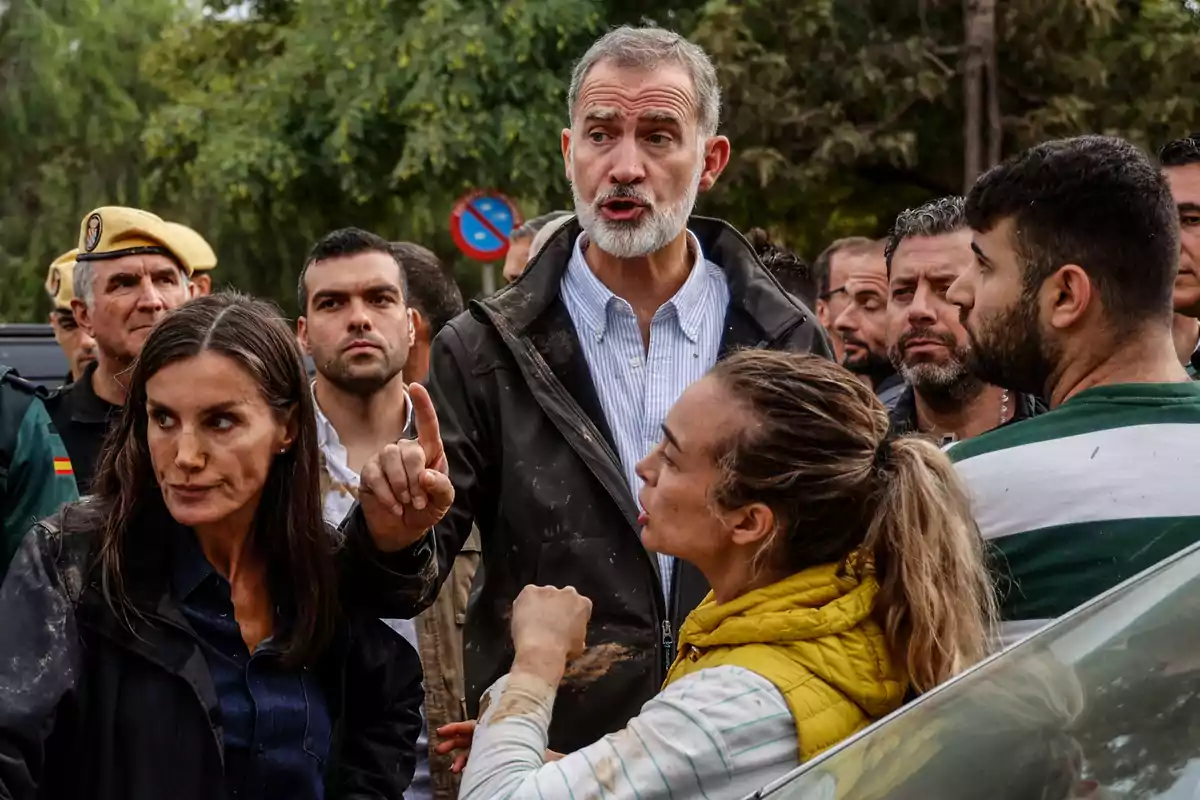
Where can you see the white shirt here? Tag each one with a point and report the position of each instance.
(637, 386)
(343, 481)
(721, 733)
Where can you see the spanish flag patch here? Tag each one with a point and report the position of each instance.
(62, 466)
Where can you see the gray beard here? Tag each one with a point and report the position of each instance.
(649, 234)
(942, 383)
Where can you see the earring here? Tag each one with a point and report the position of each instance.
(282, 450)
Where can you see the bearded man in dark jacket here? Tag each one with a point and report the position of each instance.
(550, 392)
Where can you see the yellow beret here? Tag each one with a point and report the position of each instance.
(204, 258)
(59, 280)
(115, 231)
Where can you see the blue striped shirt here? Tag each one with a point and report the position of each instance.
(638, 386)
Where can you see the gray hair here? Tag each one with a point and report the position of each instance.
(935, 218)
(533, 226)
(646, 48)
(85, 276)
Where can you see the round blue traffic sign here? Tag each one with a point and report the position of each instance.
(481, 223)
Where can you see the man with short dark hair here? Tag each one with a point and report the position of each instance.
(433, 298)
(356, 325)
(1070, 297)
(520, 243)
(131, 268)
(929, 247)
(792, 272)
(1180, 161)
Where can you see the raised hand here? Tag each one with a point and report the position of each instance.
(405, 489)
(546, 618)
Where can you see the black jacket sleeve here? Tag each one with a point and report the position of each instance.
(39, 658)
(383, 715)
(396, 585)
(458, 396)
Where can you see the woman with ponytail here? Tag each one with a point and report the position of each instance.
(846, 574)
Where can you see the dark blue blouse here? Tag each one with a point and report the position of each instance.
(276, 721)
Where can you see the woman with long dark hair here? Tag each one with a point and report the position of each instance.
(193, 629)
(846, 573)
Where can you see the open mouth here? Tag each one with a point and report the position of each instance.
(623, 208)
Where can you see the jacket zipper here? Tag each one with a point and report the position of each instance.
(668, 644)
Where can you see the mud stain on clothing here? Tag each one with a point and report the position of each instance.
(523, 695)
(595, 663)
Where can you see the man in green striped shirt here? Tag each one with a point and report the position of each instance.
(1070, 296)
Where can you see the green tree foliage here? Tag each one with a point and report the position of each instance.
(265, 123)
(363, 112)
(72, 112)
(842, 114)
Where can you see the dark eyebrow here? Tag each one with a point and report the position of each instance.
(219, 408)
(338, 294)
(1189, 208)
(979, 254)
(382, 287)
(328, 294)
(671, 438)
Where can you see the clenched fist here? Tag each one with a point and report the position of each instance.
(546, 618)
(405, 489)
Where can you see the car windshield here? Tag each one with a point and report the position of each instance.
(1103, 704)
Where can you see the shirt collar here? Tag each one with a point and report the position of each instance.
(190, 568)
(688, 303)
(327, 435)
(87, 406)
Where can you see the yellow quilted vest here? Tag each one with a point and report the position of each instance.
(813, 637)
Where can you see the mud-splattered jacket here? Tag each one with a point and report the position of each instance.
(533, 464)
(92, 708)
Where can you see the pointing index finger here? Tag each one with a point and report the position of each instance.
(429, 434)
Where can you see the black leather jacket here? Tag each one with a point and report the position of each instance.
(94, 708)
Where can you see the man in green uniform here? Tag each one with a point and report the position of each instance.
(35, 473)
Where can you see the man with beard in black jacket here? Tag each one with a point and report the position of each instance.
(549, 392)
(929, 247)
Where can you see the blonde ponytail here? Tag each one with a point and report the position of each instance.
(936, 601)
(817, 452)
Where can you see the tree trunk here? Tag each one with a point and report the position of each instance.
(981, 148)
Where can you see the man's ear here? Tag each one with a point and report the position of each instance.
(716, 157)
(302, 334)
(566, 152)
(823, 315)
(83, 316)
(416, 324)
(1067, 296)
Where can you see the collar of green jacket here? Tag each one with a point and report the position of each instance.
(822, 616)
(753, 291)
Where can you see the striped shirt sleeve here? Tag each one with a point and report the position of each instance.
(719, 733)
